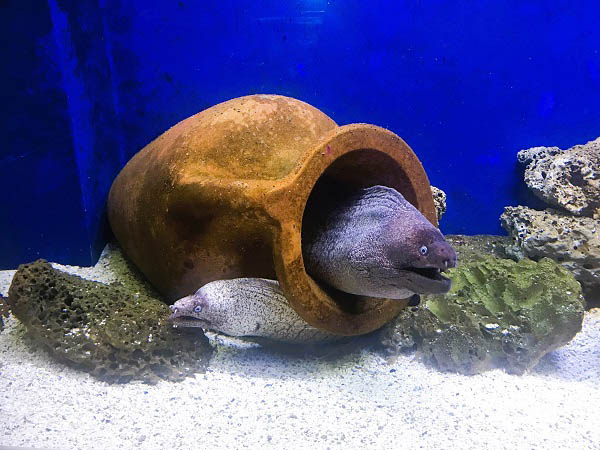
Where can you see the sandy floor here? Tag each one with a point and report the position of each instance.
(254, 397)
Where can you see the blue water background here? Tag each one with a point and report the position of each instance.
(86, 84)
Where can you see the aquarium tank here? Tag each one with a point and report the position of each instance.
(300, 224)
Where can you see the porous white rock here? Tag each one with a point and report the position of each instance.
(535, 154)
(568, 179)
(439, 199)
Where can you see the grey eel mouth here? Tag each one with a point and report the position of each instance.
(427, 280)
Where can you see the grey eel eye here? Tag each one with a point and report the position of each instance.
(197, 308)
(423, 250)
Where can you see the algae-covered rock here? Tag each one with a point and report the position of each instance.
(115, 334)
(474, 248)
(499, 313)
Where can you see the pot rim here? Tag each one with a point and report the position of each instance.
(337, 312)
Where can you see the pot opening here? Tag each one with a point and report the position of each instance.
(354, 170)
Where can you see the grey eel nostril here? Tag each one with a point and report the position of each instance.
(173, 308)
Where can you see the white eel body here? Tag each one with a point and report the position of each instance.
(246, 307)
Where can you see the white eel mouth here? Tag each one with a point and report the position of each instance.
(188, 321)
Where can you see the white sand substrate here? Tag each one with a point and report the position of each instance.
(254, 397)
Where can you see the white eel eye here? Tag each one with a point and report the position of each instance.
(198, 309)
(423, 250)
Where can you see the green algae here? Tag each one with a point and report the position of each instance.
(499, 313)
(111, 331)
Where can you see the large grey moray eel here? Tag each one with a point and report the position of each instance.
(372, 243)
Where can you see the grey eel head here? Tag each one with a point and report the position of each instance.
(420, 257)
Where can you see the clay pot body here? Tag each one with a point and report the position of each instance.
(222, 195)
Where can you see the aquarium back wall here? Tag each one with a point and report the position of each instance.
(466, 84)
